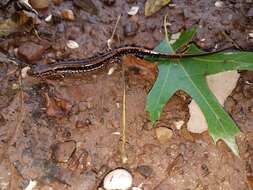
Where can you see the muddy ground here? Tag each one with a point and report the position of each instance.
(64, 134)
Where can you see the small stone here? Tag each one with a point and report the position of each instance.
(68, 14)
(174, 37)
(145, 171)
(137, 188)
(15, 86)
(32, 184)
(31, 51)
(163, 134)
(72, 44)
(24, 71)
(111, 71)
(130, 29)
(48, 18)
(133, 10)
(62, 151)
(178, 124)
(118, 179)
(219, 4)
(109, 2)
(39, 4)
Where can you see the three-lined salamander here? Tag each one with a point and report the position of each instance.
(95, 62)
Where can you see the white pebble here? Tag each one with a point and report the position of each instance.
(48, 18)
(72, 44)
(119, 179)
(179, 124)
(111, 70)
(133, 11)
(136, 188)
(219, 4)
(31, 185)
(174, 37)
(24, 71)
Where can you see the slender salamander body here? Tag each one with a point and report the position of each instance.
(95, 62)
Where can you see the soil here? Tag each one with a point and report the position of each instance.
(64, 134)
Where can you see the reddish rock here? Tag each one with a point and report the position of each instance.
(68, 14)
(31, 51)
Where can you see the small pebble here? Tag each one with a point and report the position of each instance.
(219, 4)
(39, 4)
(48, 18)
(130, 29)
(15, 86)
(31, 51)
(32, 184)
(174, 37)
(68, 14)
(111, 70)
(178, 124)
(119, 179)
(136, 188)
(133, 10)
(72, 44)
(24, 71)
(145, 171)
(163, 134)
(109, 2)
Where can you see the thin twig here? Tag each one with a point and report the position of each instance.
(110, 40)
(231, 40)
(165, 28)
(123, 122)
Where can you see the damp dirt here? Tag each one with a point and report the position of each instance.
(65, 133)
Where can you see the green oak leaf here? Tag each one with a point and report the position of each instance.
(189, 74)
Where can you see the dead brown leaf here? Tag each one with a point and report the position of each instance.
(152, 6)
(57, 107)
